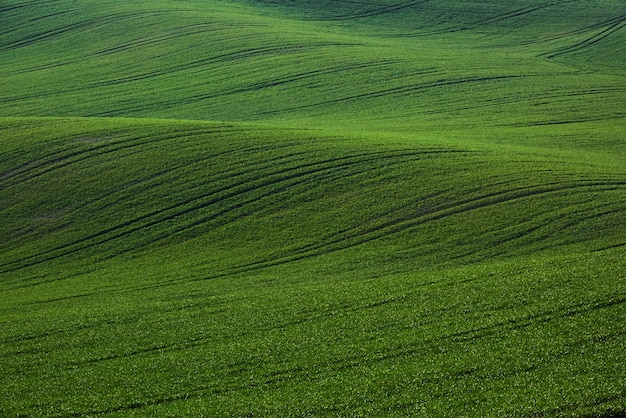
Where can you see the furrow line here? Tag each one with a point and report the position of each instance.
(568, 34)
(231, 56)
(178, 32)
(401, 90)
(359, 236)
(25, 4)
(533, 319)
(49, 34)
(494, 19)
(69, 156)
(619, 24)
(112, 50)
(394, 227)
(378, 12)
(579, 217)
(163, 215)
(460, 105)
(512, 324)
(337, 173)
(137, 405)
(76, 28)
(280, 81)
(41, 67)
(611, 247)
(16, 28)
(513, 14)
(145, 217)
(578, 409)
(311, 74)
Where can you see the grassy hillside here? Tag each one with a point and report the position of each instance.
(410, 65)
(378, 208)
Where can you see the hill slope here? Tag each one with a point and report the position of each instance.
(381, 208)
(380, 65)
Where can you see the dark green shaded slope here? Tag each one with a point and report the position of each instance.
(147, 184)
(427, 17)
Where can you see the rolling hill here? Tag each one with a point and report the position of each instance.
(312, 208)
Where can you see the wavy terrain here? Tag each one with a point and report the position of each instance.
(312, 208)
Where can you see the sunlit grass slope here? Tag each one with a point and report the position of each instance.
(371, 64)
(312, 208)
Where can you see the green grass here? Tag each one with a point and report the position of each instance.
(220, 61)
(382, 208)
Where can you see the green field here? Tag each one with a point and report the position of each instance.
(313, 208)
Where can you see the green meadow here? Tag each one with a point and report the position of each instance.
(231, 208)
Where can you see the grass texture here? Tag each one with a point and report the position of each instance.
(312, 208)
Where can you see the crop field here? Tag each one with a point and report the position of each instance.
(230, 208)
